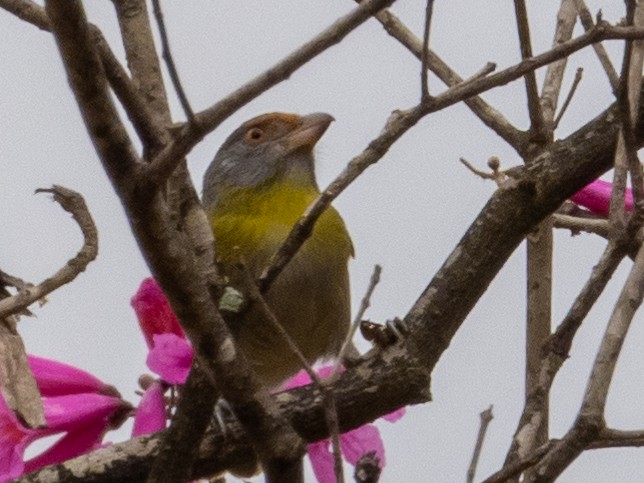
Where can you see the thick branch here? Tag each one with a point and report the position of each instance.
(167, 250)
(358, 397)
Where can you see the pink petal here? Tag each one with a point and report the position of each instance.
(14, 439)
(56, 379)
(75, 411)
(394, 416)
(74, 443)
(596, 197)
(360, 441)
(150, 416)
(302, 378)
(154, 312)
(299, 379)
(170, 358)
(321, 461)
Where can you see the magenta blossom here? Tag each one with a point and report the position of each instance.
(57, 379)
(596, 197)
(150, 416)
(154, 312)
(170, 354)
(353, 444)
(77, 405)
(170, 358)
(83, 417)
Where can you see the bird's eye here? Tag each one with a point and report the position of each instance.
(254, 135)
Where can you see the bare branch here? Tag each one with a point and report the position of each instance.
(571, 93)
(578, 224)
(142, 59)
(364, 305)
(486, 418)
(539, 243)
(614, 438)
(167, 250)
(537, 126)
(172, 68)
(618, 325)
(74, 204)
(490, 116)
(424, 84)
(359, 398)
(555, 72)
(588, 23)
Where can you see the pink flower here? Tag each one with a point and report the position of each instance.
(154, 312)
(170, 358)
(150, 416)
(353, 444)
(596, 197)
(57, 379)
(170, 354)
(84, 417)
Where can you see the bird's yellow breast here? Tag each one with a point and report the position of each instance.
(257, 220)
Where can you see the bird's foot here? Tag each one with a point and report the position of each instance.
(384, 335)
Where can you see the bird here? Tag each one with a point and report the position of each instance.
(258, 185)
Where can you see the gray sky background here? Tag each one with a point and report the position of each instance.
(406, 213)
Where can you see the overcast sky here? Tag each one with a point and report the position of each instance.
(405, 213)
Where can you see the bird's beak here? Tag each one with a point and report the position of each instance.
(308, 133)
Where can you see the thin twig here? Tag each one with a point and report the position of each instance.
(424, 84)
(486, 418)
(74, 204)
(617, 206)
(537, 126)
(327, 393)
(475, 170)
(577, 224)
(364, 305)
(169, 60)
(490, 116)
(630, 110)
(616, 438)
(566, 17)
(571, 93)
(588, 24)
(487, 69)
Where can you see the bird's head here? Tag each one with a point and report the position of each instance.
(274, 146)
